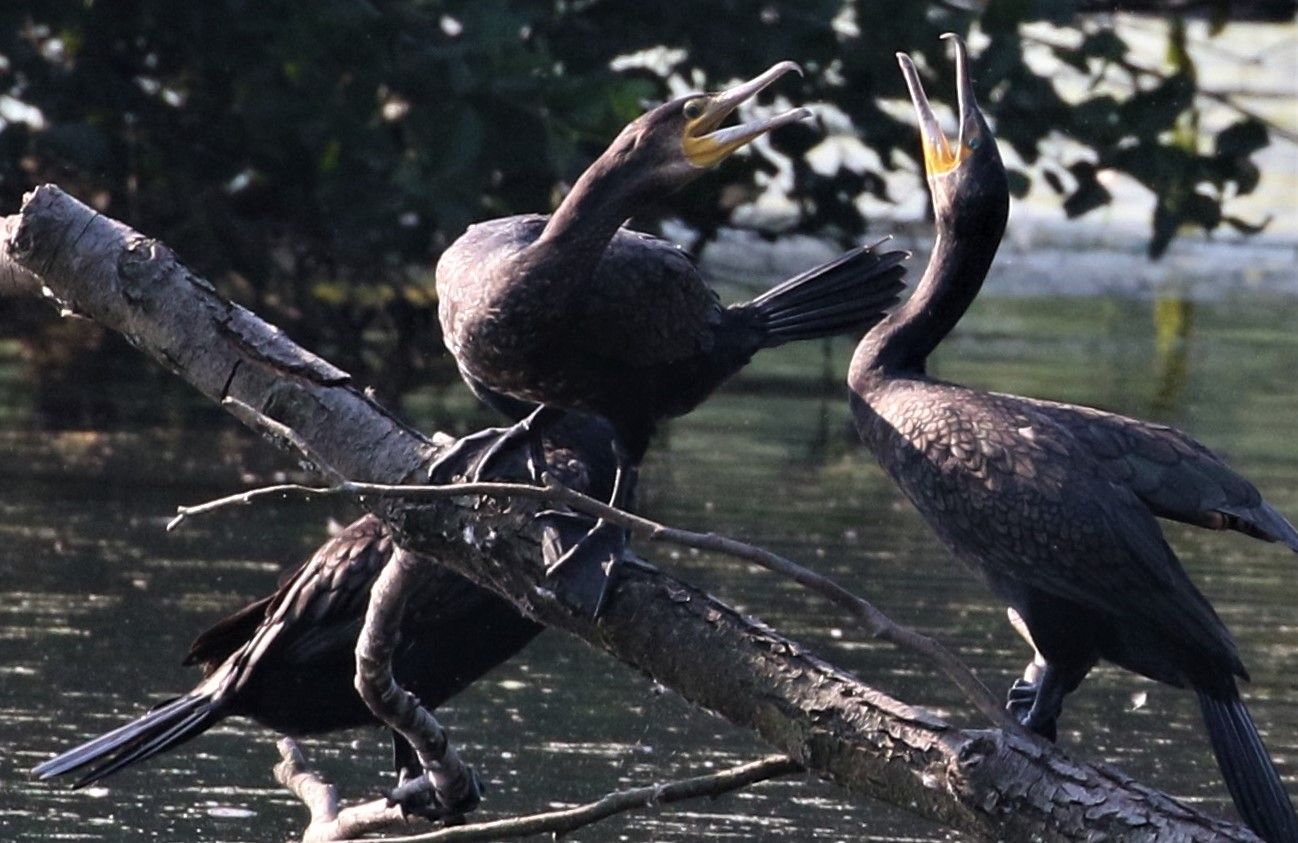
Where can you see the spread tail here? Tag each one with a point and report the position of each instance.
(166, 726)
(848, 295)
(1250, 776)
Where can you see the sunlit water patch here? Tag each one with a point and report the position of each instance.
(98, 604)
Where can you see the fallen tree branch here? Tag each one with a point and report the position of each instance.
(329, 822)
(862, 611)
(455, 787)
(989, 784)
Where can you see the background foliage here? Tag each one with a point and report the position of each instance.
(303, 153)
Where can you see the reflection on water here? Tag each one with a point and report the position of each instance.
(97, 604)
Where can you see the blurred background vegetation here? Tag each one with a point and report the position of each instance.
(314, 158)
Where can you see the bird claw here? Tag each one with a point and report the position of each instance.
(1021, 704)
(417, 797)
(1021, 695)
(469, 456)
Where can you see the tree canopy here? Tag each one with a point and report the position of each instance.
(302, 152)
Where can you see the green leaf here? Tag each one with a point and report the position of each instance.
(1243, 138)
(1089, 193)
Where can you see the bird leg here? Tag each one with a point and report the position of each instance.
(1038, 705)
(586, 564)
(469, 456)
(1023, 693)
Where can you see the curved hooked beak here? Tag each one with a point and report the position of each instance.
(939, 157)
(706, 145)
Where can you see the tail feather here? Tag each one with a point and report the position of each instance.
(164, 727)
(192, 726)
(849, 294)
(1250, 775)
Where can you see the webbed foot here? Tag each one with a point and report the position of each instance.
(1021, 703)
(476, 455)
(582, 555)
(464, 458)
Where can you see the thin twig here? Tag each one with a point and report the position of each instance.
(279, 433)
(878, 623)
(566, 820)
(329, 822)
(1224, 98)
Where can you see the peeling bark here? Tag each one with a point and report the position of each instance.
(985, 783)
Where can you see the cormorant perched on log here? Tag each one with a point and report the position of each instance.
(574, 312)
(288, 660)
(1056, 505)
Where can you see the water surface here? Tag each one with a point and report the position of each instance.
(97, 603)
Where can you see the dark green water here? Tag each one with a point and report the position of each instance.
(97, 603)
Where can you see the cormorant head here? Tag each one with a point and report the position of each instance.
(967, 178)
(671, 145)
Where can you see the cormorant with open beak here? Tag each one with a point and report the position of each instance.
(574, 312)
(1056, 505)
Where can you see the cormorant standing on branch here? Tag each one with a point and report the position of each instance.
(288, 660)
(574, 312)
(1054, 504)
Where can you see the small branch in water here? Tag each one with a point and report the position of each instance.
(879, 624)
(331, 823)
(328, 821)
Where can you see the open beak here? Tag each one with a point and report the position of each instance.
(706, 145)
(939, 156)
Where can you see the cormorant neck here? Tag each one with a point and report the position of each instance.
(599, 203)
(903, 341)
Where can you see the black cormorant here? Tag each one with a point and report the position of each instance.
(1056, 505)
(288, 660)
(574, 312)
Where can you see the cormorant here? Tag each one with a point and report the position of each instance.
(574, 312)
(1056, 505)
(288, 660)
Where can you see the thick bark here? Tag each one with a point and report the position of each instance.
(985, 783)
(15, 280)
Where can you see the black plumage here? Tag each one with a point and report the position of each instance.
(575, 312)
(288, 660)
(1056, 505)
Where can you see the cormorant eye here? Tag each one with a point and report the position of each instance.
(975, 142)
(693, 109)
